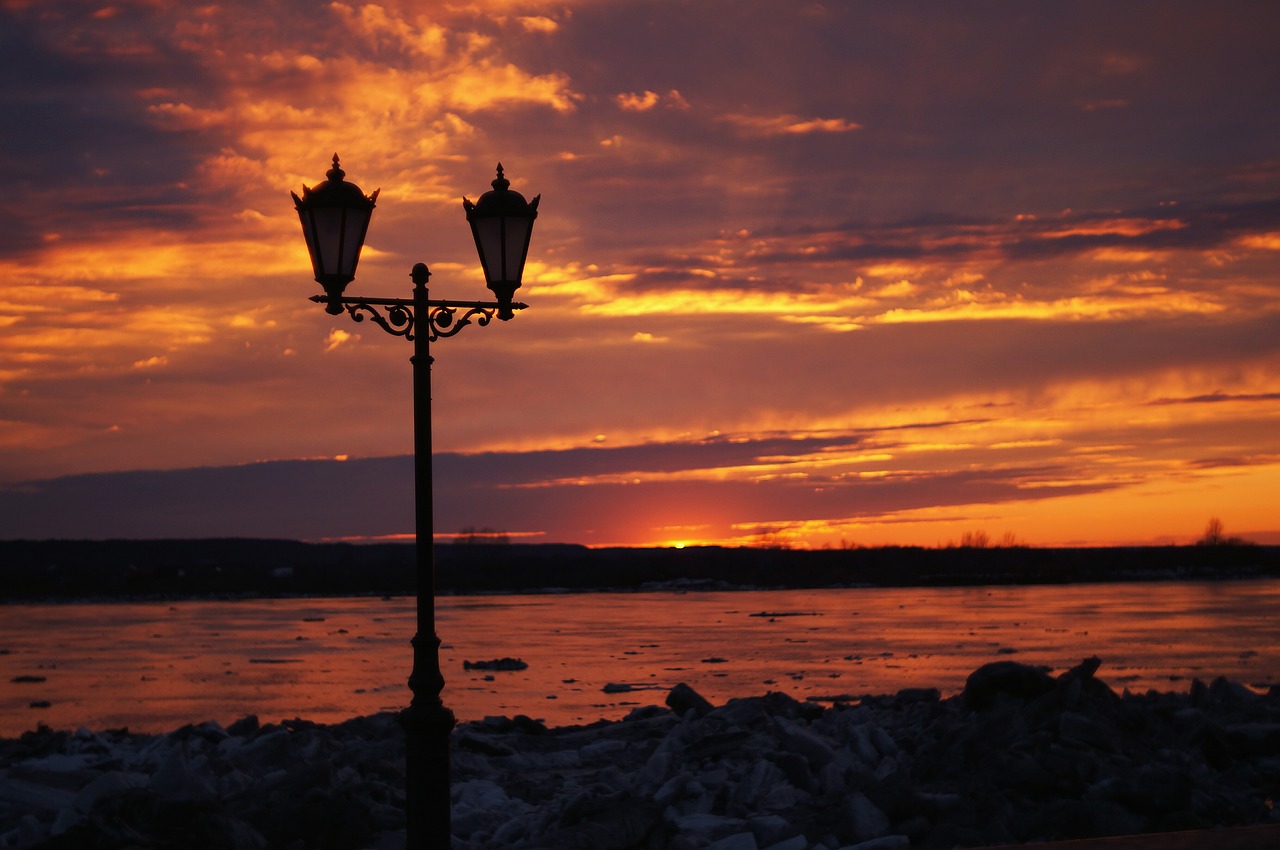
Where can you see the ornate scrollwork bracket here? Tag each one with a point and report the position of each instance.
(442, 317)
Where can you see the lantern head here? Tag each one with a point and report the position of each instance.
(335, 218)
(502, 222)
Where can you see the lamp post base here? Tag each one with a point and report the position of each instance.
(427, 803)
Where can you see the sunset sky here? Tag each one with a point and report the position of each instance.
(804, 273)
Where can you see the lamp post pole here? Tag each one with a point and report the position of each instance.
(427, 723)
(335, 218)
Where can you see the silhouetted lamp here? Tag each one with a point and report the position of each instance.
(335, 219)
(502, 222)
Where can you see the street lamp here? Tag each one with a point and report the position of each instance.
(335, 219)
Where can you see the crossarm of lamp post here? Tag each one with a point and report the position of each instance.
(442, 319)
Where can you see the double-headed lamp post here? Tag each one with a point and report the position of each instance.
(335, 218)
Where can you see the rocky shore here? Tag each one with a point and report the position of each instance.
(1019, 756)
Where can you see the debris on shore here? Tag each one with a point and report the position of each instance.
(1019, 756)
(507, 664)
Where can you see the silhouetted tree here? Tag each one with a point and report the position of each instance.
(1214, 535)
(1009, 540)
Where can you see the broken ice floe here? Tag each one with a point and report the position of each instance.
(1019, 756)
(496, 664)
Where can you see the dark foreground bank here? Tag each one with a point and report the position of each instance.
(1017, 757)
(76, 569)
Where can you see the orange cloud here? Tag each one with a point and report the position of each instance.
(639, 102)
(647, 100)
(781, 125)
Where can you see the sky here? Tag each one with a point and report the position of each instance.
(804, 274)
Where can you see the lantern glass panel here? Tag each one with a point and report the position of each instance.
(329, 235)
(517, 239)
(488, 232)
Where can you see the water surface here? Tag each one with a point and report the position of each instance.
(156, 666)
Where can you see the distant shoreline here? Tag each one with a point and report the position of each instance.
(80, 570)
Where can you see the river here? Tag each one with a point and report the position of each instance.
(152, 667)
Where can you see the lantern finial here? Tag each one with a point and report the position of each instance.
(500, 182)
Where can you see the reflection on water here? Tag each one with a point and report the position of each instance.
(156, 666)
